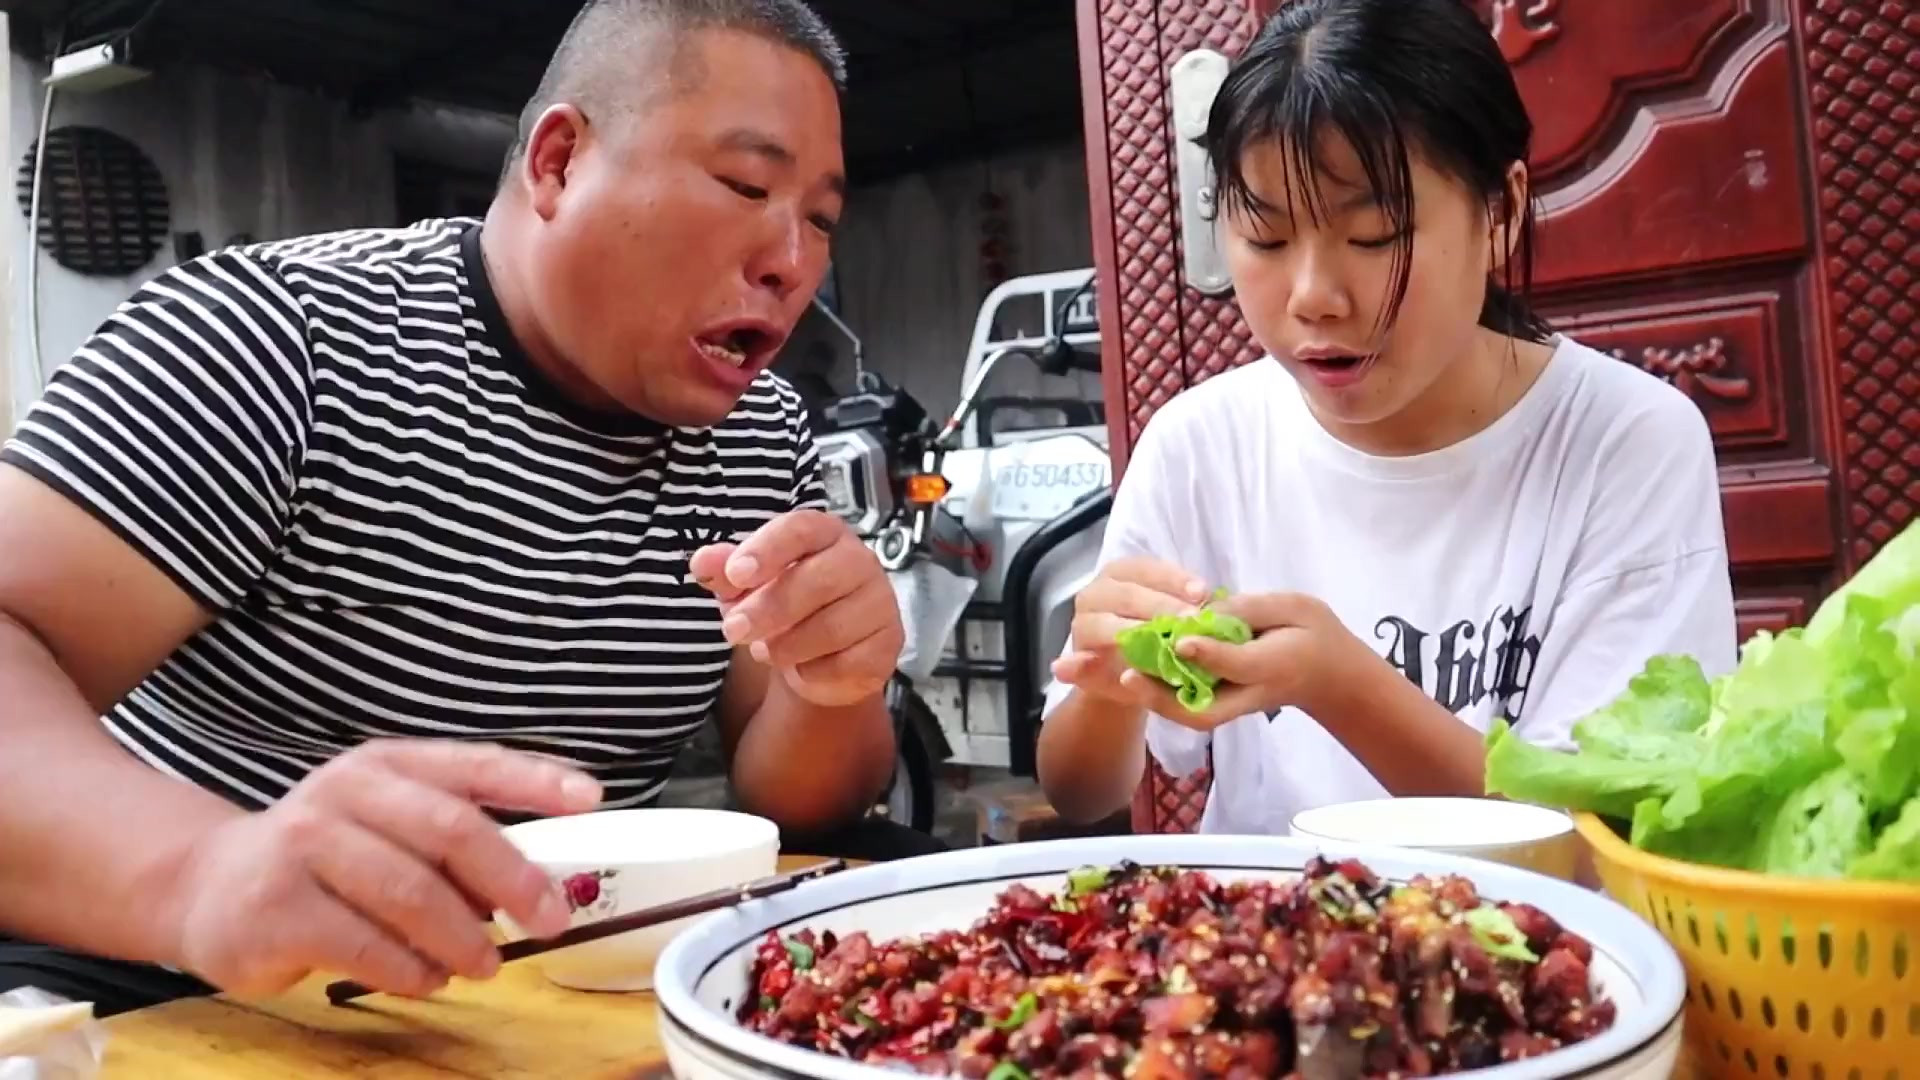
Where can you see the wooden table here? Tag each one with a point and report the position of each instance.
(515, 1026)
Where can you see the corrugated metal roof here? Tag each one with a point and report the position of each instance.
(931, 80)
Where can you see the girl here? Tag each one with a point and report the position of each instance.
(1431, 509)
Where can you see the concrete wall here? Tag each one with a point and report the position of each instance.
(239, 156)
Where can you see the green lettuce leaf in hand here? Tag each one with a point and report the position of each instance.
(1148, 648)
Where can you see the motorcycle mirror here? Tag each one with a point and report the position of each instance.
(1057, 357)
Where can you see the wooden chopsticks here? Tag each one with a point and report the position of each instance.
(340, 993)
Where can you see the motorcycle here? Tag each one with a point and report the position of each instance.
(987, 530)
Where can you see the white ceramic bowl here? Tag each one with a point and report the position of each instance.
(618, 861)
(1517, 834)
(703, 974)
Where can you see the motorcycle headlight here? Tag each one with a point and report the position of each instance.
(853, 473)
(843, 499)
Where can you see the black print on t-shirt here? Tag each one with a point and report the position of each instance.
(1466, 663)
(697, 537)
(694, 531)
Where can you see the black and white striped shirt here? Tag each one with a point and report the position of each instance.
(334, 444)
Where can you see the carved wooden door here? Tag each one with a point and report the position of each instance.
(1731, 197)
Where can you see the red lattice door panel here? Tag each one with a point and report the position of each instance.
(1158, 337)
(1863, 94)
(1731, 199)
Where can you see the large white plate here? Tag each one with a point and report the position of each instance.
(702, 975)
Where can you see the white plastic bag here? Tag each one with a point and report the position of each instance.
(931, 600)
(44, 1037)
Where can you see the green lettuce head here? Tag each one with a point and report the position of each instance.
(1803, 762)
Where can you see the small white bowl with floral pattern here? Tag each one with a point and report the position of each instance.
(615, 862)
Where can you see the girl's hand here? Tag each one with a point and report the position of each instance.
(1127, 593)
(1301, 655)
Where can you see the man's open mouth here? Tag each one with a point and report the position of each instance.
(734, 347)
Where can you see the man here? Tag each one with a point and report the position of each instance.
(351, 536)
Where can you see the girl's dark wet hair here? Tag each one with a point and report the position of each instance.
(1384, 75)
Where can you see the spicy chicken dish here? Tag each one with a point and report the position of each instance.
(1152, 973)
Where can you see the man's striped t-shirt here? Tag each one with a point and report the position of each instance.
(334, 445)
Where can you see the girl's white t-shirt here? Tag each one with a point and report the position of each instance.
(1530, 570)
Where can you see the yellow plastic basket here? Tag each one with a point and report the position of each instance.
(1786, 978)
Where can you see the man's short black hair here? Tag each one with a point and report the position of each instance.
(598, 61)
